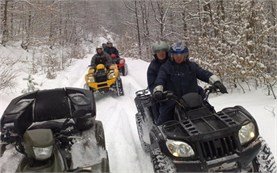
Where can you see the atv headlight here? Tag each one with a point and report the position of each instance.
(111, 75)
(91, 79)
(43, 153)
(247, 133)
(179, 149)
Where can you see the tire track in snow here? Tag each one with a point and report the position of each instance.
(126, 154)
(118, 117)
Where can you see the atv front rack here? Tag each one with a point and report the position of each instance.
(200, 124)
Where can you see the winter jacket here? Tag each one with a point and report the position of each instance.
(153, 70)
(111, 50)
(181, 78)
(103, 58)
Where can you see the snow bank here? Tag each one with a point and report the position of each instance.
(85, 151)
(10, 160)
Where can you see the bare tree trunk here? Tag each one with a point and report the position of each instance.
(25, 42)
(145, 25)
(162, 24)
(51, 32)
(200, 18)
(12, 21)
(5, 33)
(185, 27)
(138, 28)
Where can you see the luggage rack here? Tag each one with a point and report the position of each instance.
(226, 119)
(143, 92)
(199, 125)
(179, 129)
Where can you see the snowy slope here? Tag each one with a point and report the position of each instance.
(118, 113)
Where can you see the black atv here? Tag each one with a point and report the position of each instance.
(199, 139)
(55, 130)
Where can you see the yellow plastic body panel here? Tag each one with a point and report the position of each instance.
(102, 85)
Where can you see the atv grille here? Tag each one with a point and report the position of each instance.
(217, 148)
(101, 78)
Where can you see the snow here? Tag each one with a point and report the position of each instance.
(10, 160)
(84, 151)
(118, 113)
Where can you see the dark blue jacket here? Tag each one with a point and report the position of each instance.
(111, 50)
(152, 72)
(181, 78)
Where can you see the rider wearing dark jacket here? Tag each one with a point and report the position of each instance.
(179, 75)
(160, 51)
(110, 49)
(181, 78)
(101, 57)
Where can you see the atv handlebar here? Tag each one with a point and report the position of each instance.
(209, 90)
(168, 95)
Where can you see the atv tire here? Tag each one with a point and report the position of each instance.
(105, 166)
(119, 87)
(161, 163)
(124, 70)
(2, 149)
(264, 161)
(144, 145)
(99, 134)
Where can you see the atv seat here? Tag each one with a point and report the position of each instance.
(195, 107)
(193, 100)
(100, 76)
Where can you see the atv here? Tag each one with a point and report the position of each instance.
(199, 139)
(104, 80)
(121, 64)
(55, 131)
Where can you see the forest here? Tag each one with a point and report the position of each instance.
(236, 39)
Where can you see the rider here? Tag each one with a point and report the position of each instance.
(160, 53)
(112, 51)
(104, 45)
(101, 57)
(179, 75)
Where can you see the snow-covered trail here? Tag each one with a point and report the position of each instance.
(118, 117)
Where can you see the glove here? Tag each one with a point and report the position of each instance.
(220, 86)
(158, 93)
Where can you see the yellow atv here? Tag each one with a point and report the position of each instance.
(104, 80)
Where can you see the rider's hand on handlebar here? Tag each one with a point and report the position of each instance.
(220, 86)
(159, 95)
